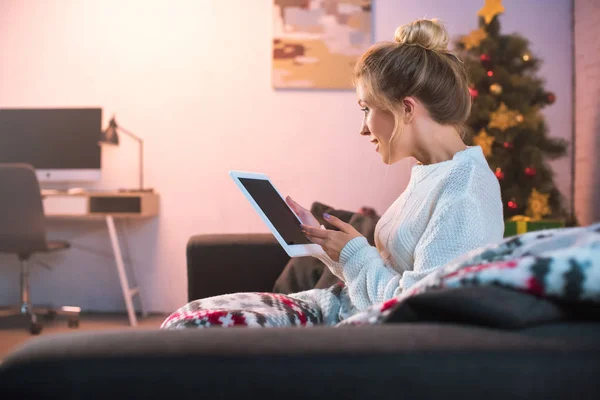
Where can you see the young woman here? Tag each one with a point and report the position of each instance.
(415, 99)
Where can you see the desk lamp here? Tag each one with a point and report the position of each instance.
(110, 136)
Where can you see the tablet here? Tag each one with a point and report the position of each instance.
(274, 211)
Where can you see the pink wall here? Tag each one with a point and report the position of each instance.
(193, 79)
(587, 113)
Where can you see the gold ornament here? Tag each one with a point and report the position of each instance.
(503, 118)
(496, 89)
(538, 205)
(484, 141)
(490, 10)
(474, 38)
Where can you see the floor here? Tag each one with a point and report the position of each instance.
(14, 331)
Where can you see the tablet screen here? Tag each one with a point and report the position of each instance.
(276, 210)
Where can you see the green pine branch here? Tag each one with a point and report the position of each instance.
(527, 146)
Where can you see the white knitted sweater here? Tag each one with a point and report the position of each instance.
(447, 209)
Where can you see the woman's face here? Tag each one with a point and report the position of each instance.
(378, 126)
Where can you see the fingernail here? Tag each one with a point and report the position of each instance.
(326, 216)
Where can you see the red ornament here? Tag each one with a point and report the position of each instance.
(490, 73)
(513, 205)
(499, 173)
(550, 98)
(530, 171)
(486, 60)
(508, 145)
(474, 92)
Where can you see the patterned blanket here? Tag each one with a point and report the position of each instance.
(563, 264)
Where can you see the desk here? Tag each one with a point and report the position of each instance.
(107, 206)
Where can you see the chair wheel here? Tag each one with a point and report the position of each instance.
(74, 323)
(35, 328)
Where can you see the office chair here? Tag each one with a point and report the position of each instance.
(22, 232)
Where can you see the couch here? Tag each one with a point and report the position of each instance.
(519, 348)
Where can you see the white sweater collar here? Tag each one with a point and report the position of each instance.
(420, 172)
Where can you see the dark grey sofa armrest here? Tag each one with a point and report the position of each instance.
(427, 361)
(230, 263)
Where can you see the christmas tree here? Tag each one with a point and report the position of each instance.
(506, 120)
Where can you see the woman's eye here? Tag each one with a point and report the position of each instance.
(365, 110)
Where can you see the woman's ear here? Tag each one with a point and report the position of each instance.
(408, 107)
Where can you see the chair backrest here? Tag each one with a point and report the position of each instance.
(22, 229)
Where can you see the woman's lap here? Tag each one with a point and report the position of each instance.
(308, 308)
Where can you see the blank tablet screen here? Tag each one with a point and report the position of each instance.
(276, 210)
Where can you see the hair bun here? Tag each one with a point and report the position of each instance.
(425, 33)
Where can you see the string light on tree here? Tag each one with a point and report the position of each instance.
(550, 98)
(526, 56)
(490, 73)
(512, 204)
(474, 93)
(508, 145)
(496, 89)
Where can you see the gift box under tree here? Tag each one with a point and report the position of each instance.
(520, 224)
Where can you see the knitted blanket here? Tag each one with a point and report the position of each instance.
(312, 307)
(562, 264)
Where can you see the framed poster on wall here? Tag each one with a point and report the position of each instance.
(316, 43)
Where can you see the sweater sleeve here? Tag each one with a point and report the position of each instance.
(336, 268)
(454, 228)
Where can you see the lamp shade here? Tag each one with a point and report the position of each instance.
(110, 135)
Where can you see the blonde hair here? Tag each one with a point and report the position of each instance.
(417, 64)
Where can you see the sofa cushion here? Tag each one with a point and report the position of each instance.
(492, 306)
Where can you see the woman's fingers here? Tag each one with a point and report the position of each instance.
(338, 223)
(303, 214)
(316, 240)
(293, 205)
(316, 232)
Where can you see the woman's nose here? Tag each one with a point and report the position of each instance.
(364, 131)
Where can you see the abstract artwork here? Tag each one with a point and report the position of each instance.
(316, 43)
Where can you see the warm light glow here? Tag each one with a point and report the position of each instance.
(525, 57)
(490, 73)
(71, 309)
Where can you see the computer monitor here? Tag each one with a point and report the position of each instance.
(61, 143)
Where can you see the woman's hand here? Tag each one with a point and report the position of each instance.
(331, 241)
(305, 216)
